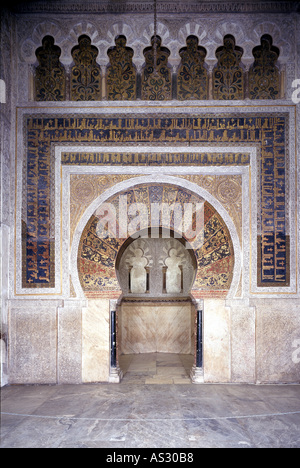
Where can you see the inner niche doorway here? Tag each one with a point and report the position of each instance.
(156, 317)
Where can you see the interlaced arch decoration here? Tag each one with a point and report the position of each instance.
(165, 267)
(190, 80)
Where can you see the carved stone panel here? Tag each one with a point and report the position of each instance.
(156, 267)
(137, 272)
(174, 276)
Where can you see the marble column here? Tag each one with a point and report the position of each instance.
(197, 373)
(115, 373)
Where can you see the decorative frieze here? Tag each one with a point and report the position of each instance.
(158, 82)
(267, 130)
(174, 6)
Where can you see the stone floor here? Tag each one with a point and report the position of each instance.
(136, 414)
(156, 368)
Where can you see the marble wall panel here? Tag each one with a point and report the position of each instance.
(95, 341)
(5, 207)
(163, 328)
(69, 345)
(4, 247)
(278, 341)
(242, 343)
(216, 337)
(32, 342)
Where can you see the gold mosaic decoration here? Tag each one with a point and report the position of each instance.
(121, 74)
(84, 188)
(215, 255)
(264, 75)
(123, 82)
(228, 76)
(268, 130)
(156, 77)
(86, 73)
(50, 80)
(228, 190)
(192, 76)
